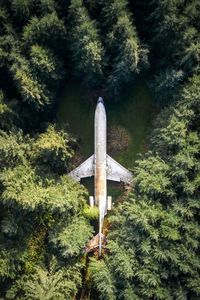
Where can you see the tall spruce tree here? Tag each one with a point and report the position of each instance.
(30, 88)
(48, 31)
(124, 52)
(85, 45)
(175, 44)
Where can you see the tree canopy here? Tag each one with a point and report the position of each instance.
(153, 239)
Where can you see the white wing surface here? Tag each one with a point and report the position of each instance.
(86, 169)
(117, 172)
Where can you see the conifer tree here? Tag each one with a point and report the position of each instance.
(7, 114)
(48, 31)
(53, 149)
(85, 44)
(102, 279)
(29, 87)
(47, 6)
(36, 79)
(22, 8)
(175, 42)
(47, 284)
(125, 54)
(45, 65)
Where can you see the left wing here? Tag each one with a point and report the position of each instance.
(86, 169)
(117, 172)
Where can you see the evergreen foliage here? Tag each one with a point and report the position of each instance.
(125, 54)
(47, 6)
(153, 244)
(53, 149)
(175, 40)
(7, 114)
(154, 239)
(101, 279)
(47, 31)
(29, 87)
(63, 237)
(40, 213)
(48, 284)
(85, 44)
(21, 8)
(13, 149)
(46, 66)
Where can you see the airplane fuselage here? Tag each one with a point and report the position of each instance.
(100, 172)
(100, 153)
(102, 167)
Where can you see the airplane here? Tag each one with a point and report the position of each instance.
(102, 167)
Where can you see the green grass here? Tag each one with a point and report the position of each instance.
(78, 111)
(134, 111)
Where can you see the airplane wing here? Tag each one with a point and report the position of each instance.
(86, 169)
(117, 172)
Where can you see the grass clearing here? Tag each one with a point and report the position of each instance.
(135, 112)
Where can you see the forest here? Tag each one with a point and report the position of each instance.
(153, 239)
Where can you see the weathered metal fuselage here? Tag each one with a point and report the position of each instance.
(100, 162)
(103, 168)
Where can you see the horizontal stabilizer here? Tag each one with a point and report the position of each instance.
(117, 172)
(86, 169)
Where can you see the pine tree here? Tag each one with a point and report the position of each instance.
(166, 85)
(62, 236)
(48, 31)
(47, 6)
(29, 87)
(101, 279)
(152, 249)
(22, 8)
(43, 284)
(174, 38)
(85, 44)
(53, 149)
(37, 79)
(125, 54)
(45, 65)
(7, 113)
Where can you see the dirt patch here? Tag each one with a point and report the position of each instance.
(118, 139)
(76, 160)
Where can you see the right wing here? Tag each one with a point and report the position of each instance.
(117, 172)
(86, 169)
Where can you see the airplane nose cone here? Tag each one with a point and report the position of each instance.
(100, 100)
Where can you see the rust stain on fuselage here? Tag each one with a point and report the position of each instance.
(99, 183)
